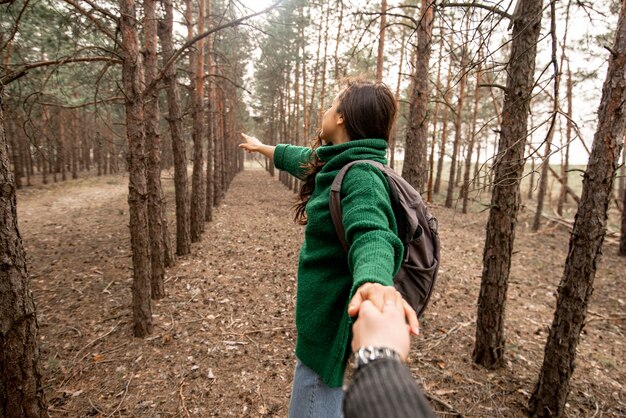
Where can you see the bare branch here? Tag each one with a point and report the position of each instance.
(17, 22)
(89, 15)
(199, 37)
(490, 85)
(492, 9)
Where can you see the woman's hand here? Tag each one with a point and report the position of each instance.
(384, 328)
(378, 295)
(252, 144)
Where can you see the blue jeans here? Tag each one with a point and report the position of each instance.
(311, 397)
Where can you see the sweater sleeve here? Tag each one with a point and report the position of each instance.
(375, 250)
(385, 388)
(291, 158)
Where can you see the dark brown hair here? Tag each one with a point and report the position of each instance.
(368, 110)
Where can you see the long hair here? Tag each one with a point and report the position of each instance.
(368, 110)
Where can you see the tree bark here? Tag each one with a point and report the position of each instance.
(583, 257)
(183, 234)
(415, 168)
(208, 213)
(470, 144)
(446, 113)
(433, 142)
(137, 190)
(500, 231)
(43, 145)
(458, 126)
(21, 392)
(394, 137)
(153, 148)
(196, 58)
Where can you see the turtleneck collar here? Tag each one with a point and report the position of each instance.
(377, 147)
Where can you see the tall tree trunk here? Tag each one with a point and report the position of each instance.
(196, 58)
(75, 143)
(568, 139)
(61, 141)
(337, 41)
(394, 136)
(476, 179)
(381, 41)
(324, 60)
(433, 142)
(458, 128)
(183, 235)
(44, 151)
(208, 213)
(153, 148)
(137, 190)
(543, 180)
(21, 392)
(500, 231)
(446, 113)
(470, 144)
(583, 257)
(415, 168)
(218, 169)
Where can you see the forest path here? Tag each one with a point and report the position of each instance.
(224, 335)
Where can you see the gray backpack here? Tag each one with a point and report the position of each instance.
(417, 229)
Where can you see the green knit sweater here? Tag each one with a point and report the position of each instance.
(327, 276)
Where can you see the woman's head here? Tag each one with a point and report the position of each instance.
(363, 109)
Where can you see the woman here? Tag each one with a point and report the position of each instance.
(356, 127)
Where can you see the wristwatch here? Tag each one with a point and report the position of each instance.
(368, 354)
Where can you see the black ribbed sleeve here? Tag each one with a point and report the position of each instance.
(385, 389)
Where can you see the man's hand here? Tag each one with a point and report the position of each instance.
(379, 295)
(384, 328)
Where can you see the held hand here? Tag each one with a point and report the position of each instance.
(252, 144)
(378, 295)
(384, 328)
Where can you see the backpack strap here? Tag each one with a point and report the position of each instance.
(335, 198)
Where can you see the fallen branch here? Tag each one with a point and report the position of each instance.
(444, 404)
(123, 397)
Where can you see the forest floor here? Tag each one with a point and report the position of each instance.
(223, 341)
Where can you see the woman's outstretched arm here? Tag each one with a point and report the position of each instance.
(253, 144)
(289, 158)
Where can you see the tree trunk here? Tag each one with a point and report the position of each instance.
(137, 190)
(337, 41)
(394, 137)
(153, 148)
(500, 231)
(322, 105)
(196, 60)
(415, 168)
(61, 152)
(381, 41)
(218, 147)
(183, 237)
(458, 126)
(431, 158)
(43, 145)
(583, 257)
(470, 144)
(208, 213)
(21, 392)
(446, 113)
(568, 139)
